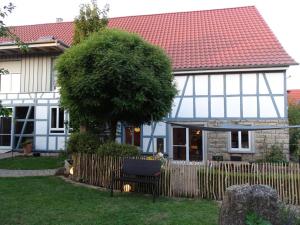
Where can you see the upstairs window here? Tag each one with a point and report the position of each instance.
(240, 141)
(57, 123)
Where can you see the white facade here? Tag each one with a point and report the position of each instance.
(26, 89)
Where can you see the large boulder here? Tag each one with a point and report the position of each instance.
(240, 200)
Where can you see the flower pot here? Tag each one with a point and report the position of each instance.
(27, 149)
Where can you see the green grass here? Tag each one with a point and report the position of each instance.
(50, 200)
(31, 163)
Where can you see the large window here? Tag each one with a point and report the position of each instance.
(187, 144)
(5, 131)
(133, 136)
(240, 141)
(57, 123)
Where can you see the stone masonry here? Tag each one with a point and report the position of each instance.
(262, 141)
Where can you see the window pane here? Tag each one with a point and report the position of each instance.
(53, 118)
(195, 145)
(5, 140)
(5, 125)
(179, 153)
(245, 139)
(137, 136)
(160, 145)
(234, 139)
(128, 135)
(179, 136)
(61, 118)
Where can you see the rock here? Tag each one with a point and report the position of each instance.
(239, 200)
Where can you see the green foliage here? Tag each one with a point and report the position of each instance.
(115, 76)
(83, 142)
(91, 19)
(117, 150)
(4, 111)
(275, 155)
(254, 219)
(26, 142)
(294, 119)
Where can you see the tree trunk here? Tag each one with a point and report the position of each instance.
(82, 128)
(113, 130)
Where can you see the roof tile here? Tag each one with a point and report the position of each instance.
(210, 39)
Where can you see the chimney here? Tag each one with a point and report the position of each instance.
(59, 20)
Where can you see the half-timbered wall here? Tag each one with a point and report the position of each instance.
(230, 96)
(42, 103)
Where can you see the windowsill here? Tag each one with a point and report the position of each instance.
(241, 151)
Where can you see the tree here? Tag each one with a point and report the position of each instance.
(91, 19)
(294, 119)
(115, 76)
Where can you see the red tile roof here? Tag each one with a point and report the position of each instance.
(210, 39)
(294, 96)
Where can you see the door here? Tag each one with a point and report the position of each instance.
(5, 132)
(187, 144)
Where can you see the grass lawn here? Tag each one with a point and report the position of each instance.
(50, 200)
(31, 163)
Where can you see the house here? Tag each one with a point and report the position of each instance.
(294, 96)
(229, 69)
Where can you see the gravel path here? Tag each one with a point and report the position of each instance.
(26, 173)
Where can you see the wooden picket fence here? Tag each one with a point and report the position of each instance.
(192, 179)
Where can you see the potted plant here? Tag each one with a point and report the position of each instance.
(27, 146)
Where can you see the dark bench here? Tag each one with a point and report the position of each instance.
(139, 171)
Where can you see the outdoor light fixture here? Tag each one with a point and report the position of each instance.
(72, 170)
(126, 188)
(137, 129)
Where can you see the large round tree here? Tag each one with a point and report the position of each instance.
(115, 76)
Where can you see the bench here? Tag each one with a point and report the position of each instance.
(139, 171)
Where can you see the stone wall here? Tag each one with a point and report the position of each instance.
(262, 141)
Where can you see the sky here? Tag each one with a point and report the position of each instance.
(283, 16)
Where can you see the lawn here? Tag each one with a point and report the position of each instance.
(32, 163)
(50, 200)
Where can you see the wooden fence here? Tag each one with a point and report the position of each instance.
(188, 179)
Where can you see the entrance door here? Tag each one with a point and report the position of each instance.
(187, 144)
(5, 132)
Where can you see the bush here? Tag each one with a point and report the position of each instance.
(83, 142)
(275, 155)
(117, 150)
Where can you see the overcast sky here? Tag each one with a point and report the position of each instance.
(283, 16)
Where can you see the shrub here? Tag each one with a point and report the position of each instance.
(117, 150)
(83, 142)
(275, 155)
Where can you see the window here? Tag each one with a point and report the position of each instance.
(57, 123)
(240, 141)
(187, 144)
(160, 145)
(133, 136)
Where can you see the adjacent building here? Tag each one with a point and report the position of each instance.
(229, 68)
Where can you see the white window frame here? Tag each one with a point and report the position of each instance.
(240, 149)
(56, 130)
